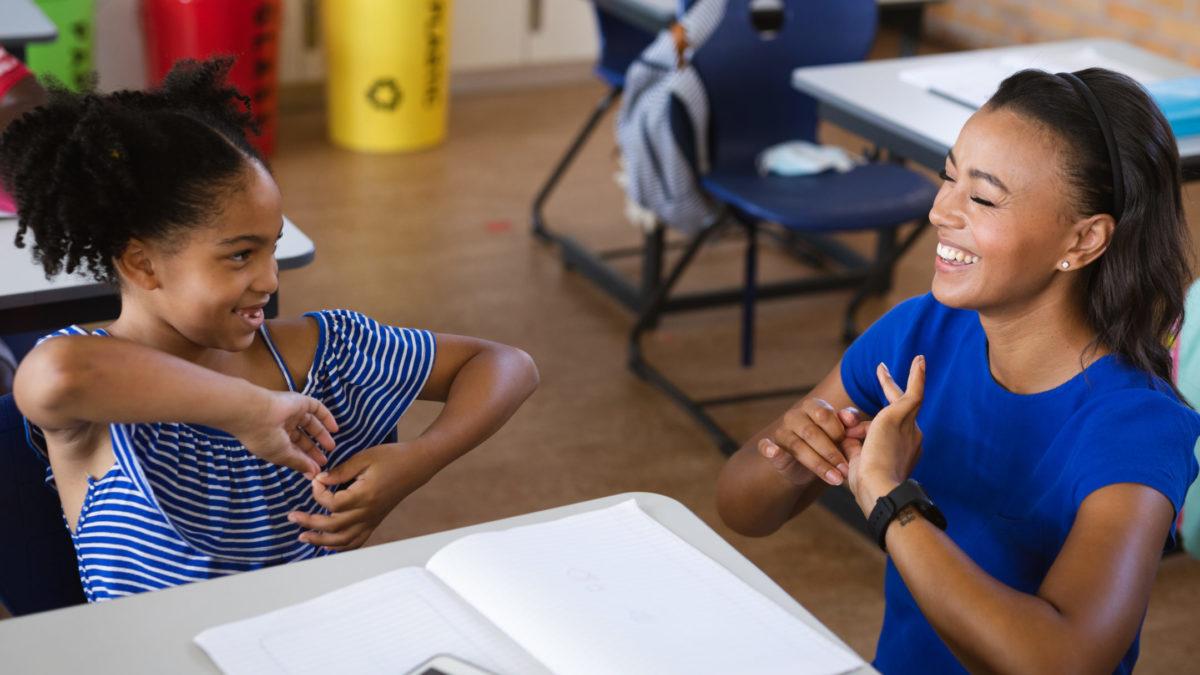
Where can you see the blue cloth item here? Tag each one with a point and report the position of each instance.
(1010, 471)
(185, 502)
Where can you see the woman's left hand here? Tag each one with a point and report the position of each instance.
(382, 477)
(893, 440)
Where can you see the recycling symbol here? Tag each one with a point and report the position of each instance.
(384, 94)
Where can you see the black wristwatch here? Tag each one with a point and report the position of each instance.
(908, 493)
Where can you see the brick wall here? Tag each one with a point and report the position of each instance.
(1169, 27)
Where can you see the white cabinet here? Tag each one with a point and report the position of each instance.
(562, 30)
(119, 49)
(512, 33)
(484, 34)
(300, 58)
(488, 34)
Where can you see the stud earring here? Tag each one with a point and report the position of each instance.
(1066, 265)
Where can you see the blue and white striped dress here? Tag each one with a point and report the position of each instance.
(185, 502)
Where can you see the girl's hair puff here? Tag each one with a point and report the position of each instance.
(89, 172)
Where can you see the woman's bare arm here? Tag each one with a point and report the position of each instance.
(756, 495)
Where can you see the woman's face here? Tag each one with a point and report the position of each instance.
(1003, 215)
(213, 289)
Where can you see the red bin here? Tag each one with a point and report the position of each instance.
(199, 29)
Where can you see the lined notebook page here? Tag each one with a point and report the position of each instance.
(387, 624)
(613, 591)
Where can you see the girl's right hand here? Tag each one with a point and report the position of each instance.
(808, 441)
(291, 430)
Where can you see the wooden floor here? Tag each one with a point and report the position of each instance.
(440, 239)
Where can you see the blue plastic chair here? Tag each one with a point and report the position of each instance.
(37, 561)
(753, 106)
(622, 40)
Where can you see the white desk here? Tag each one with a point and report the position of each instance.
(152, 633)
(29, 302)
(21, 22)
(869, 99)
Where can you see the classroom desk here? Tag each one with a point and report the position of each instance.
(22, 22)
(30, 302)
(870, 99)
(152, 632)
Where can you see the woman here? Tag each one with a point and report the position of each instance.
(1050, 446)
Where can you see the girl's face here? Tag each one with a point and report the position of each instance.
(212, 289)
(1002, 215)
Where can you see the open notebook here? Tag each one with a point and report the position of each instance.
(607, 591)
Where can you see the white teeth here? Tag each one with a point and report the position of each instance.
(951, 254)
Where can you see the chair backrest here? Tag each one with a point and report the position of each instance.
(621, 43)
(37, 561)
(748, 75)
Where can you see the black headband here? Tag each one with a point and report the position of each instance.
(1114, 156)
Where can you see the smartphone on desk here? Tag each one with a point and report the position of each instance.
(446, 664)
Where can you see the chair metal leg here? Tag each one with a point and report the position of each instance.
(648, 316)
(652, 264)
(749, 292)
(539, 223)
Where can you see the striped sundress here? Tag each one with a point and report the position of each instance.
(185, 502)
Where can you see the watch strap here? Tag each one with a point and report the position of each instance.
(909, 493)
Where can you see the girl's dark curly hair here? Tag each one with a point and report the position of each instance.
(91, 171)
(1135, 292)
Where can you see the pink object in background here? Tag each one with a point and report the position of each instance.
(12, 71)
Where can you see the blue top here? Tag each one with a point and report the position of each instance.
(1009, 471)
(185, 502)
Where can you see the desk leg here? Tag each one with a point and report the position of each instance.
(272, 309)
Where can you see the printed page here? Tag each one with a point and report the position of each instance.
(613, 591)
(387, 624)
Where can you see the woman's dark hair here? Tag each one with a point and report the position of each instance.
(1135, 291)
(91, 171)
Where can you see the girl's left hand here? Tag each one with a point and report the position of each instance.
(893, 440)
(382, 477)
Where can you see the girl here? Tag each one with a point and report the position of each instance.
(192, 438)
(1049, 445)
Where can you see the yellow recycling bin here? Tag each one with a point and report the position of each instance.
(388, 74)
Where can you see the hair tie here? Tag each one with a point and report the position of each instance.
(1114, 157)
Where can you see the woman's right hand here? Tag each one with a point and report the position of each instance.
(289, 429)
(808, 441)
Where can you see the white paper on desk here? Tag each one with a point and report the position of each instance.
(973, 82)
(387, 624)
(613, 591)
(608, 591)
